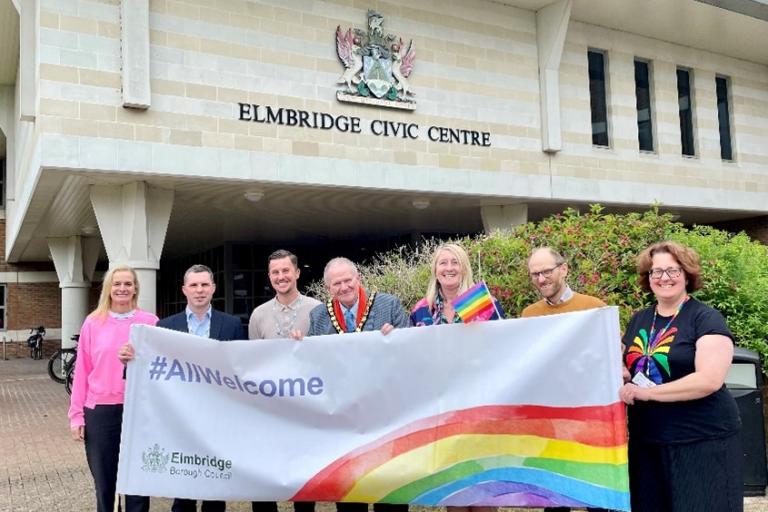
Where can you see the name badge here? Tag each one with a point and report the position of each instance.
(642, 381)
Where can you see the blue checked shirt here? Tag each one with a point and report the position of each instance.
(199, 327)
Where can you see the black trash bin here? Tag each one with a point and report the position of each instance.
(745, 383)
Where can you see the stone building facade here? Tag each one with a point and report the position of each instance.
(149, 131)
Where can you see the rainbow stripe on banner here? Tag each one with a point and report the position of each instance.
(512, 455)
(475, 304)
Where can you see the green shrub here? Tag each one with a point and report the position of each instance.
(735, 275)
(601, 250)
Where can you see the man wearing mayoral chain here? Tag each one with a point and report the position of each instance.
(351, 309)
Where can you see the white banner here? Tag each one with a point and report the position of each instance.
(520, 412)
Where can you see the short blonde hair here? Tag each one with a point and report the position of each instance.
(466, 271)
(105, 299)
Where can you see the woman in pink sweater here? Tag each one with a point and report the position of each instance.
(96, 409)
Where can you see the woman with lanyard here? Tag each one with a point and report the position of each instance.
(684, 448)
(96, 407)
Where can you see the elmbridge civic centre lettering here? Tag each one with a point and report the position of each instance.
(351, 124)
(184, 371)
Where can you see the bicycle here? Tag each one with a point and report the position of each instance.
(69, 379)
(35, 342)
(62, 360)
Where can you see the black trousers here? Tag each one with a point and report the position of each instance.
(363, 507)
(271, 506)
(185, 505)
(687, 477)
(102, 449)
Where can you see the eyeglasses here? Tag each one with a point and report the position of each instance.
(544, 273)
(672, 272)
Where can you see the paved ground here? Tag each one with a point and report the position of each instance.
(41, 469)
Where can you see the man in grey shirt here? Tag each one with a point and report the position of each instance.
(284, 316)
(287, 314)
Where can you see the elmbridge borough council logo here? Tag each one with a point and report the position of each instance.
(377, 66)
(155, 459)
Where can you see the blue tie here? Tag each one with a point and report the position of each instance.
(349, 319)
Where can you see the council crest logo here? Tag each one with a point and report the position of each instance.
(376, 66)
(155, 459)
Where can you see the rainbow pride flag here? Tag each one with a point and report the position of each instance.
(510, 455)
(476, 304)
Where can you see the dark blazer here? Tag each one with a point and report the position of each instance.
(386, 309)
(224, 327)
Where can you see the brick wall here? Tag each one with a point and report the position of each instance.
(16, 350)
(32, 304)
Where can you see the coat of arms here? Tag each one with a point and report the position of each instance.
(377, 66)
(155, 459)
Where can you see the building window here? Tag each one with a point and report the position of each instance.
(644, 113)
(3, 301)
(597, 97)
(724, 117)
(685, 106)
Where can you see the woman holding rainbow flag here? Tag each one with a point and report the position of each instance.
(451, 296)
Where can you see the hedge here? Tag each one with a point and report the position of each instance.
(601, 249)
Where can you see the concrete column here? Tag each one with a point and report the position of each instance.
(8, 127)
(75, 260)
(551, 28)
(503, 217)
(133, 220)
(134, 45)
(29, 59)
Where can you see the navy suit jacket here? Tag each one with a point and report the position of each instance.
(386, 309)
(224, 327)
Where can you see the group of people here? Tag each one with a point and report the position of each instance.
(684, 448)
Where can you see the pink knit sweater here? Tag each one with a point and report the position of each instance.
(98, 371)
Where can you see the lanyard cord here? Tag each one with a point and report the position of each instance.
(653, 340)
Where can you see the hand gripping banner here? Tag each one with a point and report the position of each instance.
(521, 412)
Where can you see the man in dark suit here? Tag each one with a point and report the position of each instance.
(201, 319)
(351, 309)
